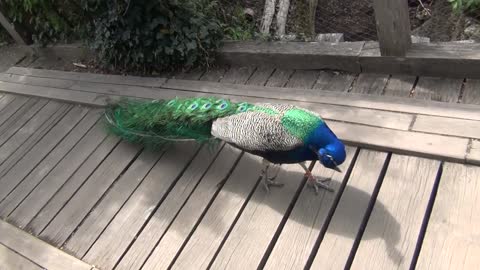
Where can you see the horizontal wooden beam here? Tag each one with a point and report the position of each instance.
(446, 59)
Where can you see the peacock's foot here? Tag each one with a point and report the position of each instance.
(316, 184)
(267, 183)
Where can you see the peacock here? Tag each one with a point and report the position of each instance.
(278, 133)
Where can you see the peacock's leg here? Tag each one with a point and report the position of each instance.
(267, 182)
(314, 182)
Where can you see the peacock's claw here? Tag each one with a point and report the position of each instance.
(267, 183)
(316, 183)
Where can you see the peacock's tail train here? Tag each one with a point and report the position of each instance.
(155, 123)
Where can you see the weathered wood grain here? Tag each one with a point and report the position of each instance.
(399, 85)
(89, 77)
(29, 134)
(438, 89)
(260, 76)
(447, 126)
(393, 26)
(309, 215)
(402, 142)
(293, 55)
(39, 161)
(173, 236)
(345, 223)
(238, 75)
(47, 82)
(471, 92)
(12, 260)
(370, 83)
(334, 81)
(450, 59)
(214, 74)
(91, 228)
(193, 74)
(473, 157)
(127, 224)
(303, 79)
(392, 231)
(40, 206)
(250, 237)
(13, 118)
(70, 216)
(10, 108)
(279, 77)
(213, 228)
(451, 240)
(38, 251)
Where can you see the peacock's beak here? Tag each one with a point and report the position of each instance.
(337, 169)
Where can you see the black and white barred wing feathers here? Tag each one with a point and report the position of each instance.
(255, 131)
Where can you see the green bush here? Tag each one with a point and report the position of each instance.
(146, 35)
(465, 5)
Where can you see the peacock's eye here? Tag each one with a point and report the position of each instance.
(242, 108)
(207, 106)
(193, 106)
(222, 106)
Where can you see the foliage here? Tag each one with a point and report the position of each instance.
(465, 5)
(235, 23)
(144, 35)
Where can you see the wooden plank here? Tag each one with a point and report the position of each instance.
(393, 26)
(239, 75)
(38, 251)
(437, 88)
(213, 74)
(250, 237)
(67, 220)
(293, 55)
(176, 217)
(303, 79)
(471, 92)
(169, 206)
(400, 85)
(115, 198)
(473, 157)
(109, 247)
(260, 76)
(345, 223)
(451, 240)
(89, 77)
(7, 107)
(54, 93)
(452, 60)
(402, 142)
(40, 206)
(369, 83)
(447, 126)
(194, 74)
(12, 31)
(391, 235)
(33, 129)
(13, 260)
(279, 77)
(293, 247)
(340, 113)
(334, 81)
(13, 110)
(30, 80)
(37, 154)
(214, 226)
(47, 164)
(345, 99)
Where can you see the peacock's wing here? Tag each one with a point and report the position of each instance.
(256, 131)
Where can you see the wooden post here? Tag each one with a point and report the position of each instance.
(393, 26)
(11, 30)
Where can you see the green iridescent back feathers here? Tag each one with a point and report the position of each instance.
(161, 121)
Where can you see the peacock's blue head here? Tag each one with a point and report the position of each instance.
(332, 155)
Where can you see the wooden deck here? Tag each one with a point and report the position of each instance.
(407, 196)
